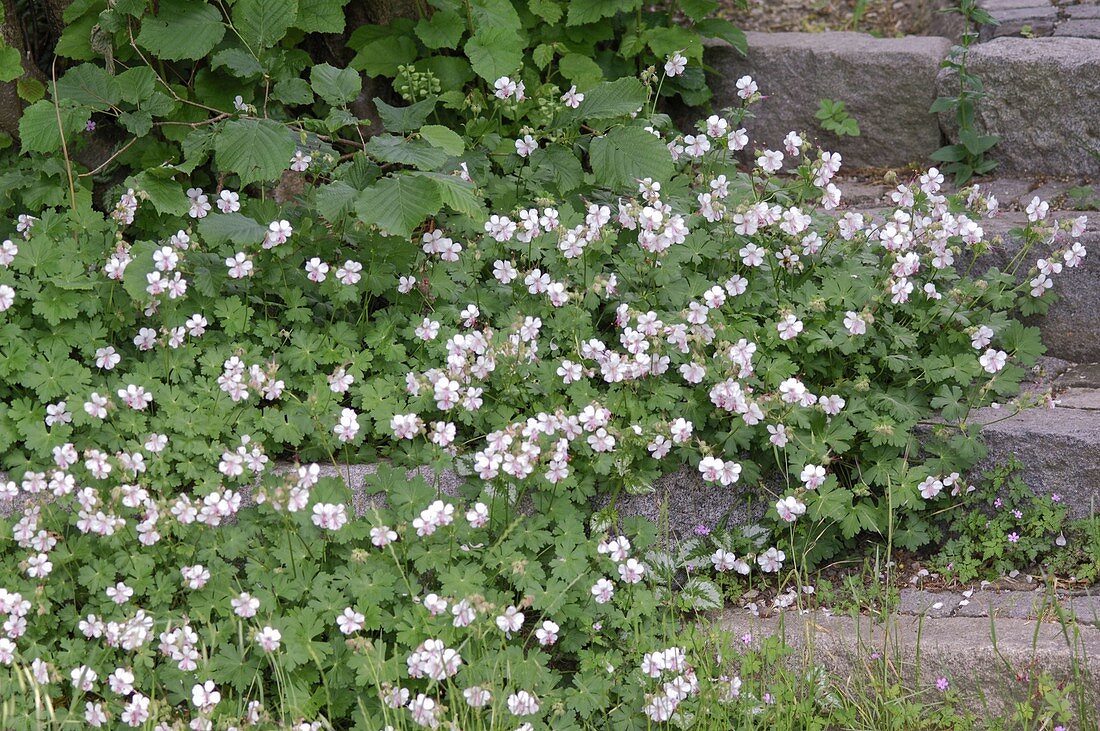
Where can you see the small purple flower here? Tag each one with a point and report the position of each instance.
(998, 503)
(746, 639)
(89, 126)
(941, 684)
(1018, 513)
(702, 530)
(1056, 498)
(1013, 537)
(768, 698)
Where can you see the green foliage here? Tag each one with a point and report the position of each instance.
(835, 118)
(967, 157)
(1003, 527)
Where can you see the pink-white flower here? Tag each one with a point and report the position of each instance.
(350, 621)
(746, 87)
(992, 360)
(572, 98)
(603, 591)
(269, 639)
(675, 64)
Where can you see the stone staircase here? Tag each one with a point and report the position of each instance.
(1040, 69)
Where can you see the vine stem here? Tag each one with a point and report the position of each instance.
(61, 132)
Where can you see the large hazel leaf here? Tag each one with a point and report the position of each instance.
(626, 155)
(254, 149)
(495, 52)
(262, 23)
(399, 204)
(182, 29)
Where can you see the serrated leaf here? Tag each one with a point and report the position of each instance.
(399, 204)
(30, 90)
(217, 228)
(238, 61)
(383, 55)
(141, 264)
(457, 194)
(627, 154)
(404, 119)
(293, 91)
(335, 200)
(591, 11)
(89, 85)
(611, 99)
(321, 16)
(39, 130)
(182, 29)
(723, 30)
(137, 123)
(443, 30)
(495, 14)
(581, 70)
(166, 195)
(444, 138)
(391, 148)
(137, 84)
(494, 52)
(543, 55)
(11, 66)
(254, 149)
(263, 23)
(701, 594)
(698, 9)
(548, 10)
(335, 86)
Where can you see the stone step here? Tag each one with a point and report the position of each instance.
(1058, 446)
(1042, 98)
(982, 658)
(887, 84)
(1042, 95)
(1071, 327)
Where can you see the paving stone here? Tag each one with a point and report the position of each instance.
(1083, 28)
(1012, 604)
(1037, 21)
(1086, 609)
(1070, 328)
(1082, 376)
(1058, 450)
(918, 602)
(922, 649)
(1080, 398)
(688, 503)
(995, 7)
(796, 70)
(1042, 99)
(1082, 11)
(1008, 188)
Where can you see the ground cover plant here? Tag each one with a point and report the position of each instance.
(523, 273)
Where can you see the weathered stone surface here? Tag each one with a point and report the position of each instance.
(1080, 398)
(1042, 99)
(1059, 452)
(922, 649)
(1082, 11)
(1083, 28)
(1038, 19)
(921, 603)
(1071, 328)
(888, 85)
(688, 503)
